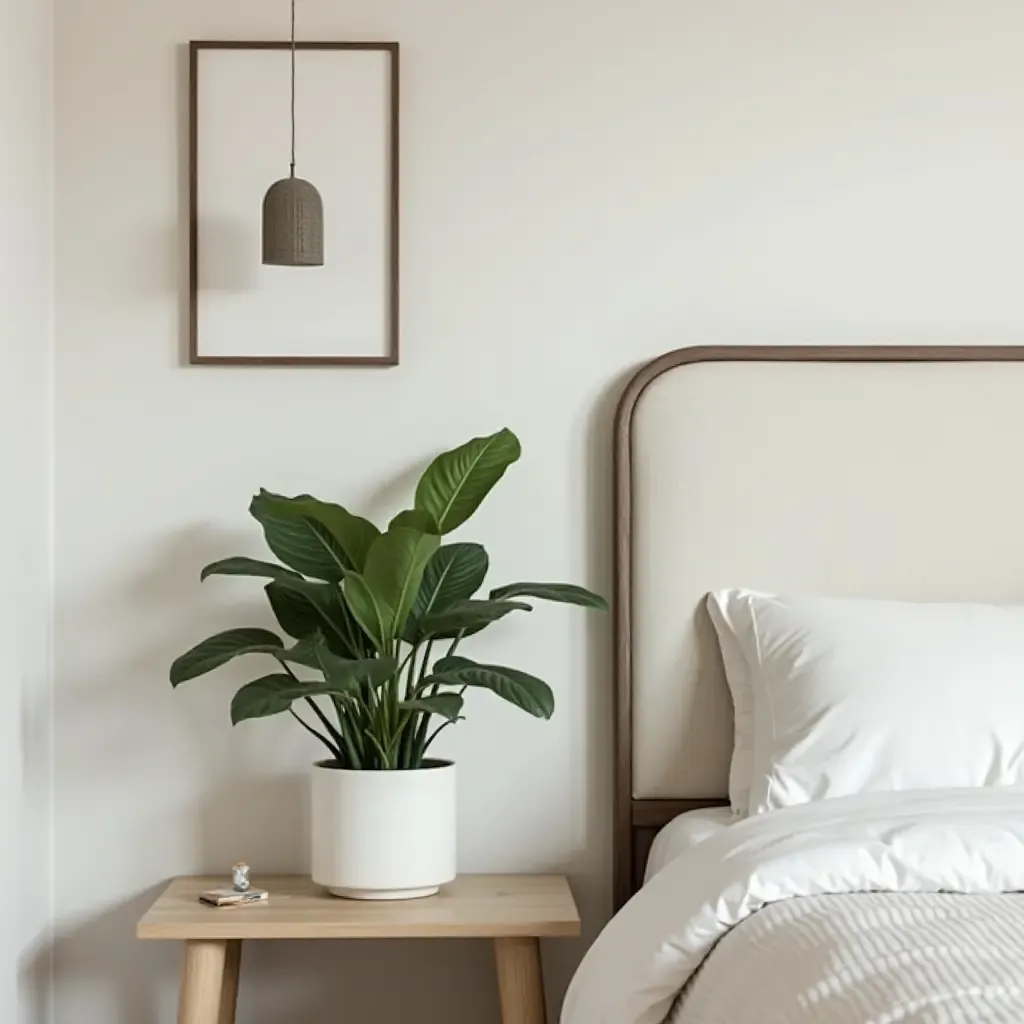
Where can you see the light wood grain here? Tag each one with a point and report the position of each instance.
(202, 976)
(520, 982)
(229, 987)
(473, 906)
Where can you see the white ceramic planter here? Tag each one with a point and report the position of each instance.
(383, 835)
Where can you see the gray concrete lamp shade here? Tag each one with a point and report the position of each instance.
(293, 224)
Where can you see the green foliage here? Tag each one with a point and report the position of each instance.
(382, 596)
(456, 482)
(367, 609)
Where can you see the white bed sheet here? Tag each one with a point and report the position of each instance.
(685, 832)
(928, 842)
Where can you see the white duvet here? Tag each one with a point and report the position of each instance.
(945, 841)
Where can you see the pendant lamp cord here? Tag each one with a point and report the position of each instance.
(293, 88)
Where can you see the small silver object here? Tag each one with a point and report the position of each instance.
(240, 876)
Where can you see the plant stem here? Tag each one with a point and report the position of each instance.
(313, 732)
(410, 657)
(411, 662)
(433, 736)
(421, 685)
(355, 756)
(375, 723)
(425, 666)
(405, 747)
(324, 720)
(421, 743)
(443, 725)
(380, 750)
(338, 733)
(350, 728)
(394, 696)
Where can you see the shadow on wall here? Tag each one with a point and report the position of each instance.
(112, 976)
(34, 994)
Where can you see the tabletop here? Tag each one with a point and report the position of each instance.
(473, 906)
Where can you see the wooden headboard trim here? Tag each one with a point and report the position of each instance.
(636, 822)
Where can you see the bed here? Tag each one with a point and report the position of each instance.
(863, 473)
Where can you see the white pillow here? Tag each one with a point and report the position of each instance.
(853, 696)
(741, 768)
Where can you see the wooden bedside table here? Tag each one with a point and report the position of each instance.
(516, 911)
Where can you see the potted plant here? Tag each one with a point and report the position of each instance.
(376, 665)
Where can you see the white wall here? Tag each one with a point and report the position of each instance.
(26, 255)
(585, 185)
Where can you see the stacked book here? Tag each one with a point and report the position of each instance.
(233, 898)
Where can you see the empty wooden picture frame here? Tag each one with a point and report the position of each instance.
(241, 312)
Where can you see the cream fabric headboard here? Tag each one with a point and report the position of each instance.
(827, 471)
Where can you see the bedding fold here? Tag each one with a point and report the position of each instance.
(938, 841)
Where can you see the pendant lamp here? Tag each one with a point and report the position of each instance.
(293, 212)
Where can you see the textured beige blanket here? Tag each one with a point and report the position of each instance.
(869, 958)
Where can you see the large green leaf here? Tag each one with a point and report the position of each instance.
(384, 593)
(525, 691)
(456, 482)
(565, 593)
(269, 695)
(373, 616)
(453, 662)
(304, 544)
(301, 616)
(349, 676)
(275, 694)
(353, 534)
(448, 705)
(305, 652)
(415, 519)
(466, 618)
(454, 573)
(240, 566)
(347, 673)
(220, 649)
(308, 606)
(395, 567)
(295, 613)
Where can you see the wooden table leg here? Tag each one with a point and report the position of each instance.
(520, 982)
(229, 987)
(202, 982)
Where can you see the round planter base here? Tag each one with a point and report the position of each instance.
(384, 894)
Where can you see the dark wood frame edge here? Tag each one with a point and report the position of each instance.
(636, 822)
(394, 210)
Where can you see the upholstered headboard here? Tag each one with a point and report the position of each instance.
(876, 472)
